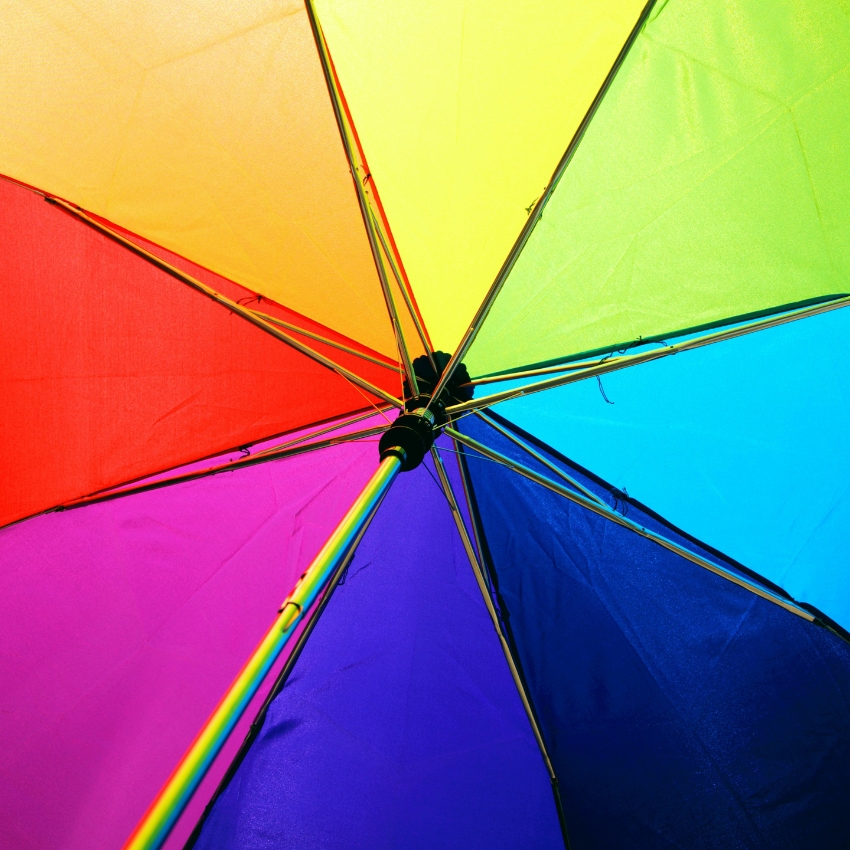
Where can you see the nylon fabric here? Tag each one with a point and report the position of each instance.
(712, 183)
(615, 498)
(679, 710)
(123, 623)
(400, 724)
(464, 111)
(112, 369)
(264, 304)
(742, 443)
(206, 128)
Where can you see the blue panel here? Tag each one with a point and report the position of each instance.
(743, 443)
(679, 709)
(400, 726)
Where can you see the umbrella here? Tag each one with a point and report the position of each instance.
(424, 426)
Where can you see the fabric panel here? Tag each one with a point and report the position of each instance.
(712, 183)
(207, 129)
(680, 710)
(464, 110)
(112, 369)
(264, 304)
(742, 443)
(122, 625)
(400, 725)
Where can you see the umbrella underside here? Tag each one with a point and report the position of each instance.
(610, 604)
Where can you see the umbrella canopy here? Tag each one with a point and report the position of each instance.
(595, 595)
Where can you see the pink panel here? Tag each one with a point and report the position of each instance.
(122, 623)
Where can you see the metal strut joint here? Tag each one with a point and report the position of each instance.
(411, 436)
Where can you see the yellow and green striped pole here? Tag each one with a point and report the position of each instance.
(163, 813)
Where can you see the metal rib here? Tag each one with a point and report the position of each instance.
(328, 429)
(467, 494)
(333, 343)
(144, 482)
(405, 294)
(353, 165)
(478, 570)
(608, 513)
(530, 224)
(531, 373)
(389, 297)
(537, 456)
(614, 364)
(275, 453)
(358, 165)
(481, 579)
(233, 306)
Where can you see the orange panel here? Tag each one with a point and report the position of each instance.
(205, 128)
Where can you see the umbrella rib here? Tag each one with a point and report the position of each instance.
(420, 330)
(354, 166)
(537, 212)
(144, 482)
(612, 364)
(233, 306)
(583, 360)
(382, 224)
(296, 447)
(530, 373)
(328, 429)
(478, 570)
(467, 495)
(610, 514)
(346, 127)
(389, 298)
(332, 343)
(537, 456)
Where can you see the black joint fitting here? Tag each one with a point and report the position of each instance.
(435, 408)
(456, 390)
(409, 438)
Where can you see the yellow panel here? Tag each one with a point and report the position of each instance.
(464, 109)
(205, 127)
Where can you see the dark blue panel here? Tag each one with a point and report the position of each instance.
(400, 726)
(744, 443)
(679, 709)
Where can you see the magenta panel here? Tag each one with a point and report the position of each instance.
(121, 625)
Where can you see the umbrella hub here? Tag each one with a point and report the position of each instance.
(428, 371)
(411, 435)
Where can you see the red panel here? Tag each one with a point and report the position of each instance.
(236, 292)
(113, 369)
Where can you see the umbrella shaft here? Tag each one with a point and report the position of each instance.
(157, 822)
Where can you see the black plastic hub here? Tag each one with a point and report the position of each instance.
(411, 436)
(426, 377)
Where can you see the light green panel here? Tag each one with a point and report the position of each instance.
(713, 182)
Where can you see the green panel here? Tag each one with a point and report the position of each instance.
(713, 182)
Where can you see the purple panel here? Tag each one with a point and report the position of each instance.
(121, 625)
(400, 725)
